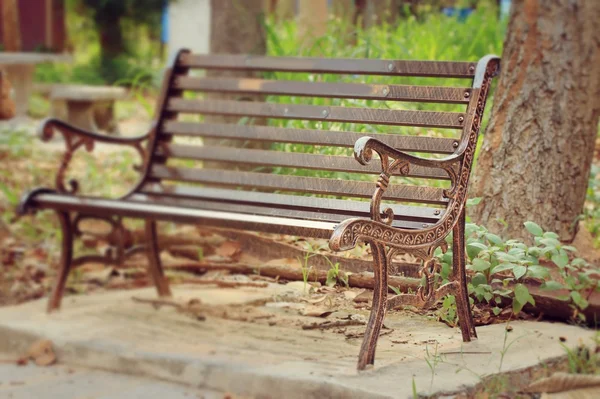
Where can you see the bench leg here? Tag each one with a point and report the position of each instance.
(66, 258)
(154, 263)
(81, 114)
(463, 306)
(378, 309)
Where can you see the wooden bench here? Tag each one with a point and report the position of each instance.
(82, 104)
(277, 195)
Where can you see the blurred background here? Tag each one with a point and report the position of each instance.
(127, 42)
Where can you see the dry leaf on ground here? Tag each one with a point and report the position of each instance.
(42, 353)
(560, 382)
(230, 249)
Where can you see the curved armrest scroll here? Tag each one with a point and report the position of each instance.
(402, 162)
(364, 147)
(75, 138)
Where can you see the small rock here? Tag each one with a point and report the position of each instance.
(363, 297)
(348, 294)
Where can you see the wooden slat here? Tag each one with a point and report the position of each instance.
(324, 65)
(285, 159)
(144, 210)
(306, 136)
(267, 181)
(346, 207)
(432, 94)
(322, 216)
(451, 120)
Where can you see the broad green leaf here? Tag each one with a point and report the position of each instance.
(569, 248)
(480, 265)
(551, 242)
(537, 271)
(534, 229)
(534, 251)
(579, 262)
(474, 248)
(504, 293)
(561, 258)
(502, 267)
(517, 306)
(506, 257)
(580, 301)
(478, 279)
(518, 252)
(496, 310)
(550, 234)
(494, 239)
(521, 294)
(519, 271)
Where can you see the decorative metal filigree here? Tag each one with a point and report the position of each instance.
(386, 240)
(349, 232)
(76, 138)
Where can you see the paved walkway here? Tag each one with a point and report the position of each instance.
(273, 355)
(62, 382)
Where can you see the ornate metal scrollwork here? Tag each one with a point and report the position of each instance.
(458, 167)
(76, 138)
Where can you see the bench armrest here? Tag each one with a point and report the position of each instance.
(75, 138)
(395, 162)
(379, 228)
(364, 147)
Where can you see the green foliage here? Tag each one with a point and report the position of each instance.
(335, 275)
(583, 359)
(499, 268)
(434, 37)
(113, 41)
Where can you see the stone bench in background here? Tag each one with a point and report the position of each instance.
(88, 107)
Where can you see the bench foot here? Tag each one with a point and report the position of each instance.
(154, 264)
(66, 258)
(380, 268)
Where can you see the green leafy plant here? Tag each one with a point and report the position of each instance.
(432, 359)
(499, 267)
(306, 269)
(335, 275)
(584, 359)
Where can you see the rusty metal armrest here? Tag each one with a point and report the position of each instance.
(379, 227)
(75, 138)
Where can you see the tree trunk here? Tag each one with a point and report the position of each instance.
(312, 21)
(537, 150)
(236, 27)
(385, 11)
(112, 43)
(11, 32)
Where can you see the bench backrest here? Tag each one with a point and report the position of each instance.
(323, 107)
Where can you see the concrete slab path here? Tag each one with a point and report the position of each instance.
(273, 356)
(62, 382)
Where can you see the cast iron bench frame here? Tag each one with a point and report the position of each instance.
(409, 230)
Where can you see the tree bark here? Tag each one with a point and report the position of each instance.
(312, 21)
(537, 150)
(236, 28)
(11, 32)
(385, 11)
